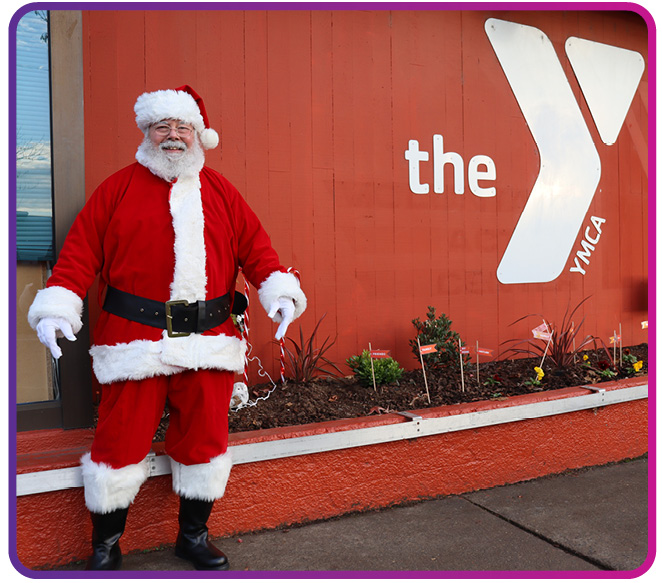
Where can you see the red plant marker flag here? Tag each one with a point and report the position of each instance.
(463, 350)
(420, 355)
(372, 364)
(486, 351)
(380, 353)
(542, 332)
(428, 349)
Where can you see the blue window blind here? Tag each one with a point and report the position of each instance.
(34, 202)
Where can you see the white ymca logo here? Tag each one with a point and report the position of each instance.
(569, 162)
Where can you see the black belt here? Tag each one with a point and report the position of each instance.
(178, 317)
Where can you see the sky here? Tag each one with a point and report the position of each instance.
(33, 117)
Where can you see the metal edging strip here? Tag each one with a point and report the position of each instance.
(61, 479)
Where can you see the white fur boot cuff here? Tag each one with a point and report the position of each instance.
(108, 489)
(202, 481)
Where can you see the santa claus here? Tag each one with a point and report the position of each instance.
(167, 236)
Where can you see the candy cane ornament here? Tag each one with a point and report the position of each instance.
(245, 329)
(295, 272)
(282, 360)
(282, 340)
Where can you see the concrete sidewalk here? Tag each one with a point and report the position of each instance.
(594, 519)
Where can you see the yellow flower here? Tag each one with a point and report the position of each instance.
(540, 372)
(637, 365)
(585, 357)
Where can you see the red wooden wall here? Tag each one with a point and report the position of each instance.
(315, 109)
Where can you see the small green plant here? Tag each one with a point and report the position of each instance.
(387, 370)
(306, 362)
(437, 330)
(494, 381)
(603, 368)
(536, 381)
(632, 364)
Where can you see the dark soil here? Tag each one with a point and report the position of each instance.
(326, 399)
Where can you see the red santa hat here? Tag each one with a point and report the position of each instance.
(183, 104)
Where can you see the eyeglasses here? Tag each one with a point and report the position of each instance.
(163, 129)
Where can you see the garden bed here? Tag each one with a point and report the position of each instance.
(334, 398)
(328, 399)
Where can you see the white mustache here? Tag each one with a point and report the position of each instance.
(172, 144)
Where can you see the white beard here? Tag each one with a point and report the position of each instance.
(167, 166)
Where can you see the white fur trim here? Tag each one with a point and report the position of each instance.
(108, 489)
(57, 302)
(202, 481)
(209, 139)
(279, 285)
(190, 278)
(167, 104)
(197, 351)
(129, 361)
(143, 359)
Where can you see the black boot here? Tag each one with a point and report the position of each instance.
(106, 533)
(192, 543)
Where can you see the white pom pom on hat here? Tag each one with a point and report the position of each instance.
(183, 104)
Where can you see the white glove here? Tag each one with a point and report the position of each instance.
(284, 307)
(50, 329)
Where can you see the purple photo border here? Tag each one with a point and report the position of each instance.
(474, 6)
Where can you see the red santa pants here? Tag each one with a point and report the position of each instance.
(130, 413)
(196, 439)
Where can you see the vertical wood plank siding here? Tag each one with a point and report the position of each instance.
(315, 109)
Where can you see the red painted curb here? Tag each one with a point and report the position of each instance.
(321, 485)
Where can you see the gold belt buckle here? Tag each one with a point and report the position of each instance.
(168, 306)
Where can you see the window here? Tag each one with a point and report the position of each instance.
(50, 190)
(36, 378)
(34, 206)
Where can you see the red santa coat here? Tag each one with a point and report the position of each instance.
(163, 241)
